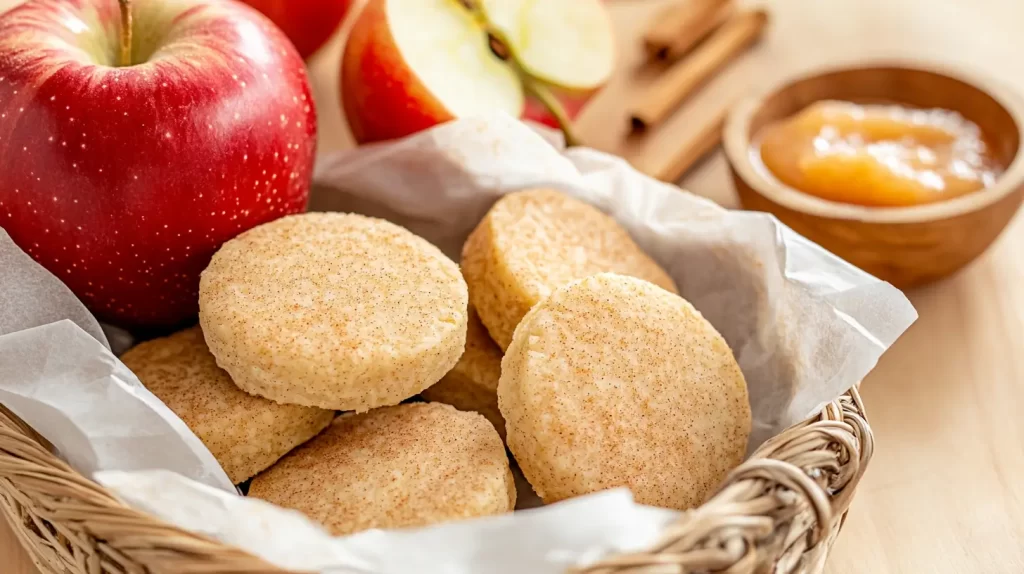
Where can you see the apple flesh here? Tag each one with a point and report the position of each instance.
(411, 64)
(124, 180)
(307, 23)
(567, 44)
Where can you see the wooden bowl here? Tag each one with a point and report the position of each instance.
(906, 246)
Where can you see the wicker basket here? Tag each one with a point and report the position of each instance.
(778, 512)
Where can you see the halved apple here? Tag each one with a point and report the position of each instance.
(411, 64)
(567, 44)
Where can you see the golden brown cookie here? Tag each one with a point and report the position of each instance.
(532, 242)
(333, 310)
(394, 467)
(612, 382)
(473, 384)
(246, 434)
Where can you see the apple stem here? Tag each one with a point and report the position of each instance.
(545, 97)
(534, 87)
(126, 32)
(501, 48)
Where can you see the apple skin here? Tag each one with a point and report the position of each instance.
(123, 181)
(573, 104)
(308, 23)
(382, 97)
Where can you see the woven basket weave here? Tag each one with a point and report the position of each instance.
(778, 512)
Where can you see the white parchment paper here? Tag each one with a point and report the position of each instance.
(58, 374)
(804, 326)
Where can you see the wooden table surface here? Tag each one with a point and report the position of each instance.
(944, 493)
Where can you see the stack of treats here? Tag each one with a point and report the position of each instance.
(559, 338)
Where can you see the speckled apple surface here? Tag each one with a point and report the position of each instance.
(124, 180)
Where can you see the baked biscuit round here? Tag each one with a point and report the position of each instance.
(395, 467)
(533, 242)
(246, 434)
(612, 381)
(473, 384)
(333, 310)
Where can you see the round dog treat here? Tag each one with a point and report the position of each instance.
(473, 384)
(333, 310)
(246, 434)
(613, 382)
(533, 242)
(395, 467)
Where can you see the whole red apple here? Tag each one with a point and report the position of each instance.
(308, 23)
(123, 177)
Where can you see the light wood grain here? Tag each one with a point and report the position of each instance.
(944, 493)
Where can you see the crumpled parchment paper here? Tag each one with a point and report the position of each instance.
(803, 324)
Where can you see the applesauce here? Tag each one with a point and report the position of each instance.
(878, 155)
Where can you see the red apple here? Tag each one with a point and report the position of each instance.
(572, 104)
(411, 64)
(123, 180)
(308, 23)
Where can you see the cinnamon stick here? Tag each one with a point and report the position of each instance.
(688, 74)
(679, 27)
(691, 150)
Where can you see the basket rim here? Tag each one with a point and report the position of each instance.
(781, 509)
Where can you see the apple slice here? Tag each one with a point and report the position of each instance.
(411, 64)
(566, 48)
(567, 44)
